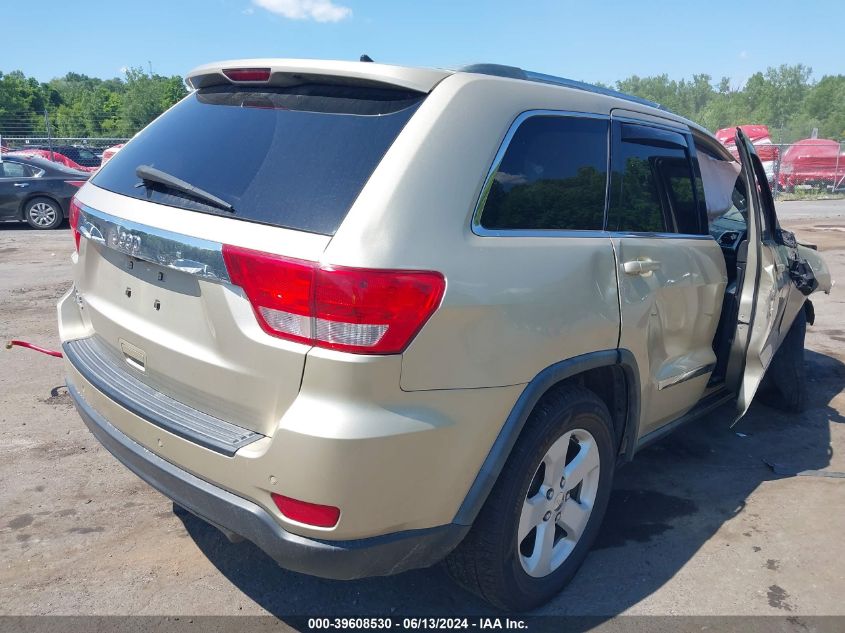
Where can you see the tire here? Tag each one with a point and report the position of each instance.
(785, 383)
(511, 572)
(43, 213)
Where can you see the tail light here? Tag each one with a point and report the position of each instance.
(358, 310)
(76, 183)
(305, 512)
(74, 221)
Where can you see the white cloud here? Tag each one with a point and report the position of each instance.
(317, 10)
(510, 179)
(743, 54)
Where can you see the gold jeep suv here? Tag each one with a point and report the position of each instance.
(370, 317)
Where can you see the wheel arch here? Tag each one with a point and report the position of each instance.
(611, 374)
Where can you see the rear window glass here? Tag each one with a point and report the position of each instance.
(293, 157)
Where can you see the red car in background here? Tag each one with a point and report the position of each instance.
(56, 157)
(813, 162)
(760, 138)
(110, 151)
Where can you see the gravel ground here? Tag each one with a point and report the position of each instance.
(698, 524)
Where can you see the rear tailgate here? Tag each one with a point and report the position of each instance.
(170, 317)
(151, 279)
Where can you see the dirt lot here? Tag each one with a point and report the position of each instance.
(697, 525)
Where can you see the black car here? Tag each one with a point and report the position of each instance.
(36, 190)
(85, 156)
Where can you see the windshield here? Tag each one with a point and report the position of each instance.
(293, 157)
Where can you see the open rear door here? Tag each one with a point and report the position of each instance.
(764, 290)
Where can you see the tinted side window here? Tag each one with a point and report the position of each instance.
(652, 188)
(683, 199)
(552, 176)
(14, 170)
(85, 154)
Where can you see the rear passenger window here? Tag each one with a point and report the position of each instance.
(14, 170)
(652, 186)
(553, 176)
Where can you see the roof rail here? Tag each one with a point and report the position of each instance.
(513, 72)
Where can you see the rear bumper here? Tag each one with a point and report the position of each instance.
(234, 515)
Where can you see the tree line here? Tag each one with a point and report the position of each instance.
(80, 106)
(786, 98)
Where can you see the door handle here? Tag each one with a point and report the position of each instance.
(21, 184)
(644, 266)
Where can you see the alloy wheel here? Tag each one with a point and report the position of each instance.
(558, 503)
(43, 214)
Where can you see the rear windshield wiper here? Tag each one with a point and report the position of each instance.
(153, 175)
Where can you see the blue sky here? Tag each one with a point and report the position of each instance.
(592, 41)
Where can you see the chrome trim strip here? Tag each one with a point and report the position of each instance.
(661, 236)
(687, 375)
(497, 161)
(482, 232)
(198, 257)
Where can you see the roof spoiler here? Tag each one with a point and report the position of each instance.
(294, 72)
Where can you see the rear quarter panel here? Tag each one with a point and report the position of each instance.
(56, 189)
(513, 305)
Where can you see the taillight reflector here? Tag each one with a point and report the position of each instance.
(358, 310)
(247, 74)
(73, 218)
(305, 512)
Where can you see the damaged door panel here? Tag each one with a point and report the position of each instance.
(671, 273)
